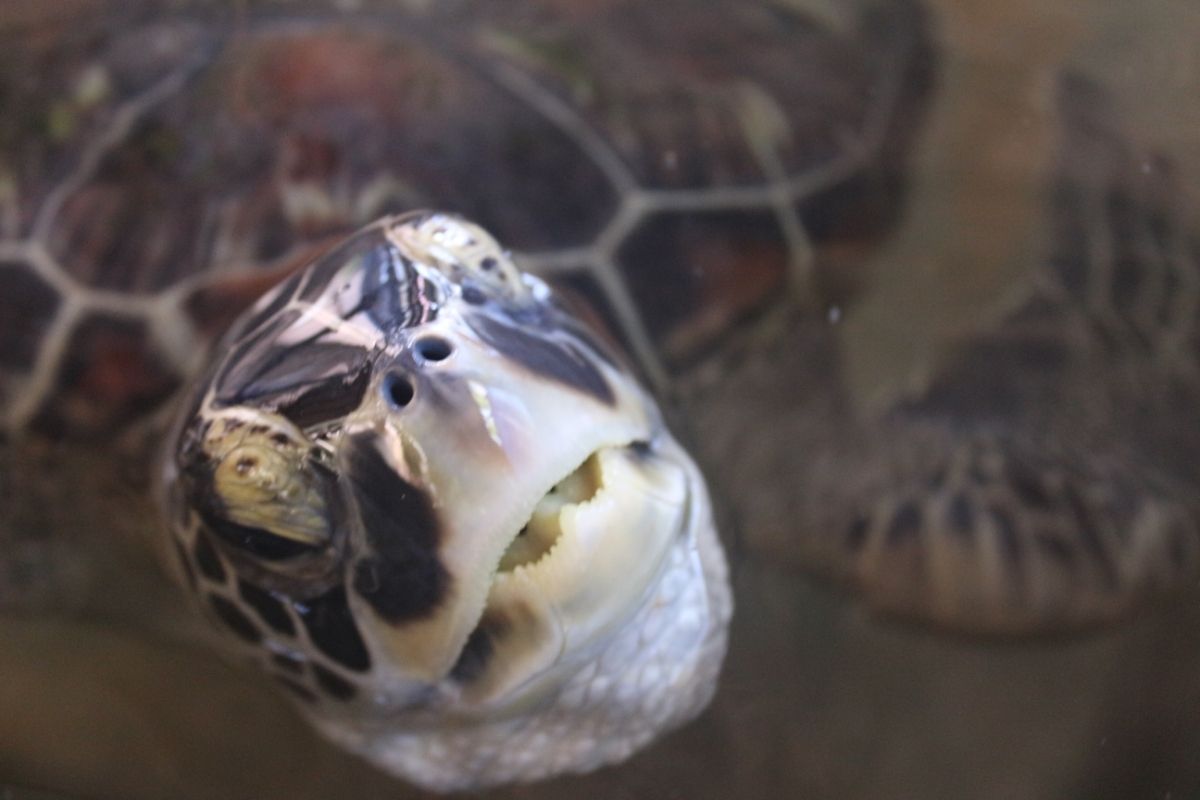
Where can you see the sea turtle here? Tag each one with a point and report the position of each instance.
(710, 181)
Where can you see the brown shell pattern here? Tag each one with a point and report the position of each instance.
(164, 169)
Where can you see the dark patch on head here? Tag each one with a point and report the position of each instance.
(560, 361)
(487, 264)
(333, 684)
(308, 381)
(962, 516)
(331, 626)
(905, 524)
(401, 590)
(856, 534)
(394, 295)
(256, 541)
(479, 649)
(289, 662)
(269, 609)
(304, 375)
(185, 564)
(234, 619)
(207, 559)
(246, 354)
(297, 689)
(327, 400)
(405, 579)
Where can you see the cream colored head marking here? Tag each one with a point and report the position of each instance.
(444, 516)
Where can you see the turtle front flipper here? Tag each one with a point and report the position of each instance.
(1037, 471)
(998, 535)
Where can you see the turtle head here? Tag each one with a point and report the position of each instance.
(444, 515)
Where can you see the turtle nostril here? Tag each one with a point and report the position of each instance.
(398, 389)
(433, 348)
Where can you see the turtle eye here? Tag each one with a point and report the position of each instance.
(258, 486)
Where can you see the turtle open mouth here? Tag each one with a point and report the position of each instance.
(544, 529)
(581, 565)
(618, 494)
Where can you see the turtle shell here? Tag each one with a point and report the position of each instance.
(682, 165)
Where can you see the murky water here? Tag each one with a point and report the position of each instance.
(115, 697)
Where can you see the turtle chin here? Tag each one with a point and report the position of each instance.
(604, 626)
